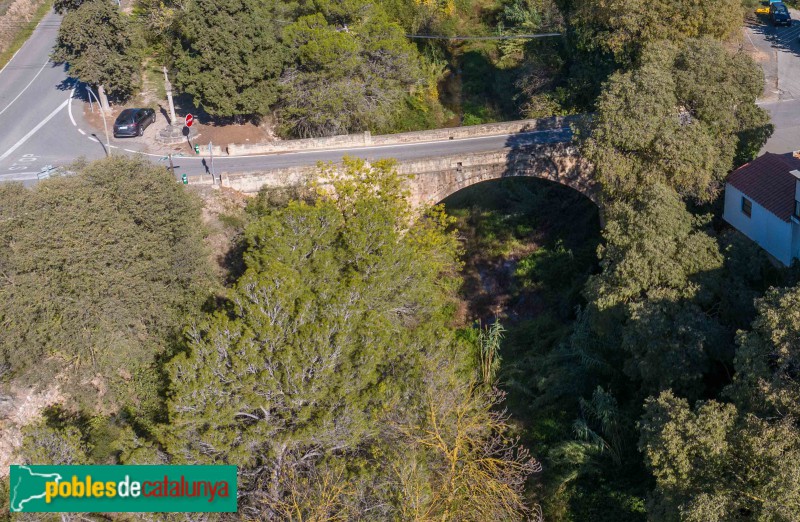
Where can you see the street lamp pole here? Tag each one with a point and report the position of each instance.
(103, 114)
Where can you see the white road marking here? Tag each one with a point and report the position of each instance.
(23, 45)
(20, 176)
(26, 87)
(69, 108)
(33, 131)
(789, 34)
(81, 131)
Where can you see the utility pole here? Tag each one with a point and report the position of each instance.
(168, 87)
(171, 166)
(211, 155)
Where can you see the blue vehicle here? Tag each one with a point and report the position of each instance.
(779, 14)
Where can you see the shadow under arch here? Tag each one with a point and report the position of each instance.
(546, 155)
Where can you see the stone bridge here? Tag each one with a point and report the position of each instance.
(433, 179)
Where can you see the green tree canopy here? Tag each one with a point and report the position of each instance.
(713, 463)
(622, 28)
(768, 357)
(95, 39)
(346, 79)
(318, 376)
(99, 270)
(64, 6)
(658, 269)
(684, 117)
(229, 56)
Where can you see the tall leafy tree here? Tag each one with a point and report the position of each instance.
(715, 463)
(684, 117)
(318, 374)
(95, 40)
(229, 55)
(344, 79)
(659, 268)
(768, 357)
(99, 270)
(600, 29)
(64, 6)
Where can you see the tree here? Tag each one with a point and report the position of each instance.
(327, 326)
(65, 6)
(767, 357)
(714, 463)
(43, 444)
(95, 39)
(659, 269)
(229, 56)
(683, 117)
(330, 341)
(340, 81)
(99, 271)
(457, 462)
(622, 28)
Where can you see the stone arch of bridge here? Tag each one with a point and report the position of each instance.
(431, 181)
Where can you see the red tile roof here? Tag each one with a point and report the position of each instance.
(767, 180)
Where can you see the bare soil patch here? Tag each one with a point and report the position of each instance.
(226, 134)
(21, 407)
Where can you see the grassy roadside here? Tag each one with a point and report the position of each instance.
(24, 33)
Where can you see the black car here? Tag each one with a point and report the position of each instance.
(779, 14)
(133, 122)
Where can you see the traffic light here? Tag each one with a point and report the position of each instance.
(184, 179)
(197, 149)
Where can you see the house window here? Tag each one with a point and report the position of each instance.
(747, 207)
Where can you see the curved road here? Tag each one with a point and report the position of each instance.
(42, 124)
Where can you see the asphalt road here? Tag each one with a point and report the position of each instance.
(41, 123)
(778, 52)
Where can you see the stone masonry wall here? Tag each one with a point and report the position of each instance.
(433, 179)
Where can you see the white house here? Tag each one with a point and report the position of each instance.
(762, 201)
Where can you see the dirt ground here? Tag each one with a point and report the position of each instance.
(22, 406)
(222, 135)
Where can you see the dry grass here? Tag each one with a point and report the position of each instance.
(18, 19)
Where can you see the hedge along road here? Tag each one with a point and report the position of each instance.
(41, 123)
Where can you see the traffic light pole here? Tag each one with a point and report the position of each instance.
(211, 155)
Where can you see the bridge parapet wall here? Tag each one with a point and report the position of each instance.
(366, 139)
